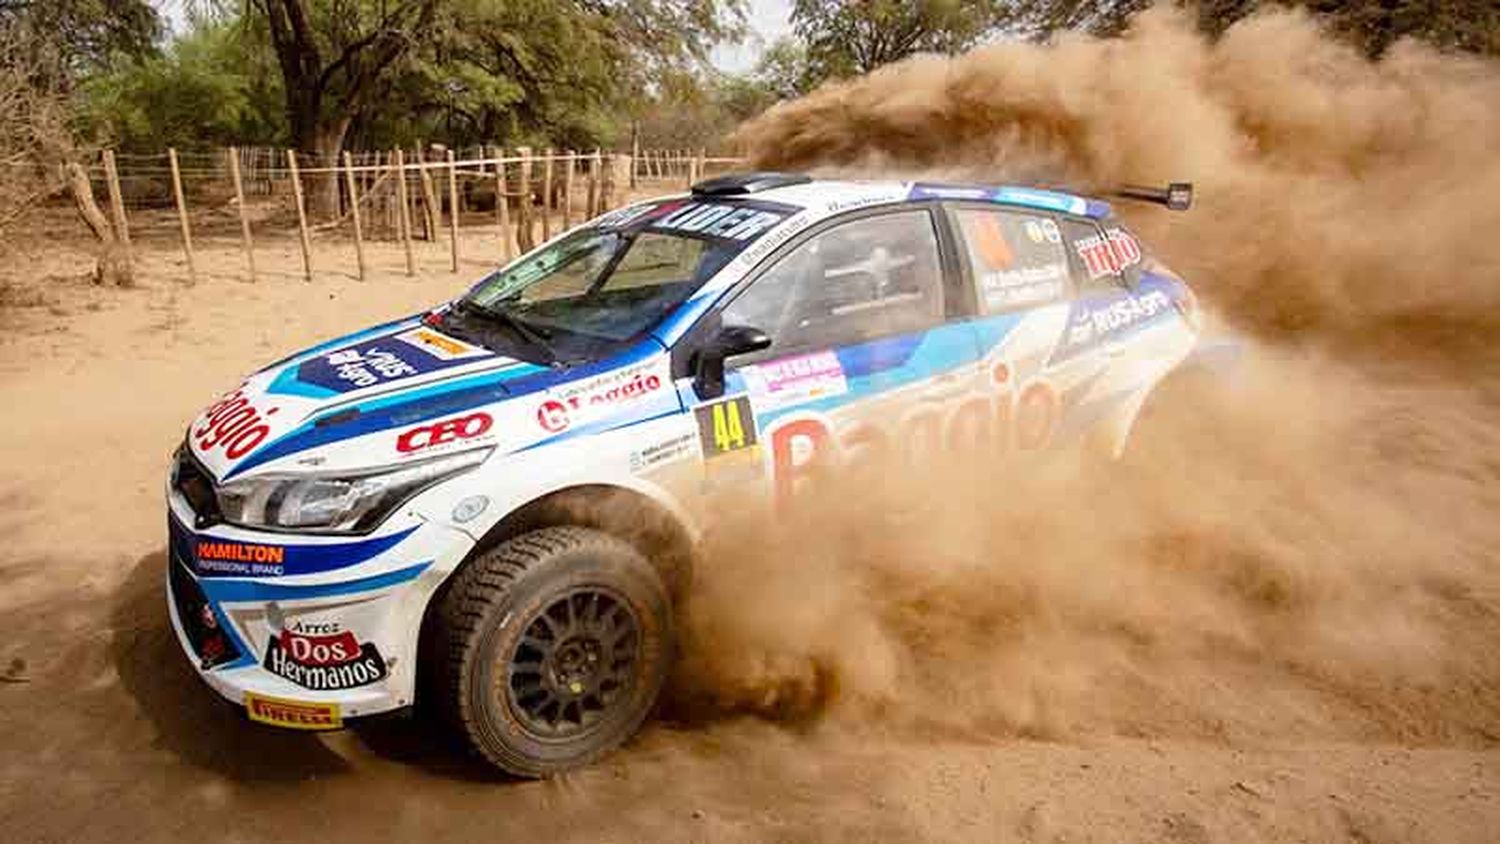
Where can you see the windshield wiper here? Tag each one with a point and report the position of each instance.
(521, 328)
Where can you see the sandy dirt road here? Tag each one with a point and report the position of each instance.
(106, 735)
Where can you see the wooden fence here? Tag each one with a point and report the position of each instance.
(525, 195)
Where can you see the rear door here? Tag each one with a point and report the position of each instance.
(1017, 262)
(862, 362)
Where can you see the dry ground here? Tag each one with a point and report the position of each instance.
(106, 735)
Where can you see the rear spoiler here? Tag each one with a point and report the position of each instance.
(1177, 196)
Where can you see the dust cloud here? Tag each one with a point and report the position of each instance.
(1304, 550)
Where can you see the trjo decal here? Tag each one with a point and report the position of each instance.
(1108, 254)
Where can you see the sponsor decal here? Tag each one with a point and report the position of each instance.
(597, 395)
(240, 558)
(796, 223)
(389, 359)
(733, 222)
(233, 423)
(807, 448)
(1051, 232)
(667, 451)
(1099, 320)
(445, 432)
(1108, 254)
(323, 657)
(295, 714)
(225, 559)
(796, 380)
(370, 367)
(552, 415)
(1023, 286)
(625, 216)
(441, 346)
(725, 426)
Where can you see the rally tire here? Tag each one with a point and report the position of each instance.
(514, 681)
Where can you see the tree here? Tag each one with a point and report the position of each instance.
(213, 86)
(843, 38)
(84, 34)
(334, 55)
(1471, 25)
(785, 69)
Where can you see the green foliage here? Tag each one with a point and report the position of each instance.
(561, 73)
(693, 110)
(211, 87)
(87, 34)
(786, 71)
(846, 38)
(1470, 25)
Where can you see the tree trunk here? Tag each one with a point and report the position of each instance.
(113, 267)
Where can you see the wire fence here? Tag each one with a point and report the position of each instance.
(522, 197)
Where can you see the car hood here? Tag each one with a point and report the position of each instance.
(335, 387)
(407, 390)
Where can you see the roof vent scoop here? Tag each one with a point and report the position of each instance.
(739, 184)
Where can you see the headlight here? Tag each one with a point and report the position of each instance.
(348, 502)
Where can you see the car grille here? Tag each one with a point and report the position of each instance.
(196, 485)
(199, 621)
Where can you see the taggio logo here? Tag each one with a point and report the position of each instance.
(447, 431)
(552, 415)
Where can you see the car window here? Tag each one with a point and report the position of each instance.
(1018, 259)
(1103, 260)
(870, 277)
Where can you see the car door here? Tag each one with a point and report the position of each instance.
(861, 363)
(1017, 261)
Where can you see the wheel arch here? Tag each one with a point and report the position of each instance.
(660, 530)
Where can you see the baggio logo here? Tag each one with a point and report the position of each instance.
(446, 431)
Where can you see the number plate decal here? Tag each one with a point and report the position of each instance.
(726, 426)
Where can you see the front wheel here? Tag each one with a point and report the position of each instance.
(554, 646)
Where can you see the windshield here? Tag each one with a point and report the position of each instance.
(608, 284)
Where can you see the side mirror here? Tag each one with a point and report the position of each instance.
(728, 341)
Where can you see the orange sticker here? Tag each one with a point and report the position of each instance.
(990, 240)
(292, 714)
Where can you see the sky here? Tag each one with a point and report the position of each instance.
(768, 20)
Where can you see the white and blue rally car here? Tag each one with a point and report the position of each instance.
(496, 502)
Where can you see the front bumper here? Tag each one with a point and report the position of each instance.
(306, 631)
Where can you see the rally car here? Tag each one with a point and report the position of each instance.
(495, 503)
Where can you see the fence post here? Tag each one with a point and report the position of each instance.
(359, 233)
(502, 207)
(635, 154)
(452, 208)
(607, 187)
(593, 177)
(291, 160)
(182, 216)
(524, 239)
(403, 217)
(434, 212)
(567, 208)
(239, 200)
(547, 195)
(117, 203)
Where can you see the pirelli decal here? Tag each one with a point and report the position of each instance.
(292, 714)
